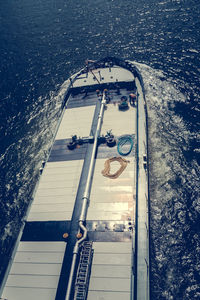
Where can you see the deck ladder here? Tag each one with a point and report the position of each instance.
(83, 273)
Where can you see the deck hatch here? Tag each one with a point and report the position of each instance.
(76, 121)
(55, 196)
(111, 271)
(35, 271)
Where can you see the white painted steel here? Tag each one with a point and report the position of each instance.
(111, 271)
(110, 284)
(35, 271)
(76, 121)
(111, 247)
(41, 247)
(116, 74)
(27, 281)
(56, 193)
(38, 257)
(112, 199)
(50, 216)
(111, 259)
(12, 293)
(121, 122)
(115, 272)
(36, 268)
(104, 295)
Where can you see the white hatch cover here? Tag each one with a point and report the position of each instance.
(111, 271)
(76, 121)
(35, 271)
(56, 193)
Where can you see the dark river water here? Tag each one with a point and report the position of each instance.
(42, 42)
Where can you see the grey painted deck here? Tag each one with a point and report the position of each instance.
(108, 76)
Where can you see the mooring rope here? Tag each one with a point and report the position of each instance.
(106, 172)
(122, 143)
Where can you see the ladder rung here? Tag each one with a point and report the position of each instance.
(82, 279)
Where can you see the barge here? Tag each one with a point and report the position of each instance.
(86, 234)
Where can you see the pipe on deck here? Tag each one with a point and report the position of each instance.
(86, 199)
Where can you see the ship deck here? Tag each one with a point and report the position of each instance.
(42, 262)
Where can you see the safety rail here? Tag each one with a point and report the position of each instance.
(142, 290)
(136, 204)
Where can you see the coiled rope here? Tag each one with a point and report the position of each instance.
(123, 141)
(106, 172)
